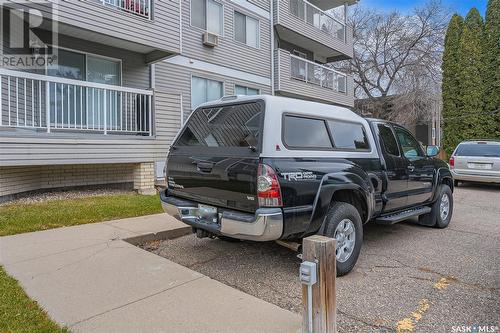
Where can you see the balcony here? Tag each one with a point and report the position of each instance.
(329, 4)
(143, 26)
(51, 104)
(301, 23)
(140, 8)
(298, 77)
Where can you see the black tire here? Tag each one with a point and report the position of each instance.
(434, 218)
(339, 212)
(455, 183)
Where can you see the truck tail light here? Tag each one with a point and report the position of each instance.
(451, 162)
(268, 187)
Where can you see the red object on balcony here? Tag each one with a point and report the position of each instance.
(136, 6)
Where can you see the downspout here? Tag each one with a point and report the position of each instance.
(272, 46)
(152, 76)
(180, 26)
(152, 84)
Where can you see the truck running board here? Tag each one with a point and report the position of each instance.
(401, 216)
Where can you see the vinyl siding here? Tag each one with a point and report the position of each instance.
(229, 52)
(287, 86)
(177, 79)
(32, 148)
(92, 16)
(264, 4)
(326, 44)
(161, 33)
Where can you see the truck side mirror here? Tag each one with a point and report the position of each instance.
(432, 151)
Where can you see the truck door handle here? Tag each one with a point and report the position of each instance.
(205, 167)
(410, 168)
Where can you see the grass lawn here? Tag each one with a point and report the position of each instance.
(18, 313)
(19, 218)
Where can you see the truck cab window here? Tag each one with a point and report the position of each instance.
(411, 148)
(388, 140)
(348, 135)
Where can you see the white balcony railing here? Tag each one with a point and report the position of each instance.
(57, 104)
(136, 7)
(318, 18)
(310, 72)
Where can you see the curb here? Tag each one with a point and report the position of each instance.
(162, 235)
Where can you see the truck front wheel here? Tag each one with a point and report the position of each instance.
(442, 209)
(344, 224)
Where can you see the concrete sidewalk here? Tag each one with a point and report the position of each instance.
(90, 279)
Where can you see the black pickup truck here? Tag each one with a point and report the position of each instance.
(266, 168)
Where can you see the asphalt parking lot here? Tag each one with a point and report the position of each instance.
(408, 278)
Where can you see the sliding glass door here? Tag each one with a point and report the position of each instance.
(105, 71)
(66, 110)
(74, 106)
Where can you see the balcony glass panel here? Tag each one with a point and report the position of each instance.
(314, 74)
(298, 69)
(342, 83)
(318, 18)
(328, 79)
(310, 72)
(297, 8)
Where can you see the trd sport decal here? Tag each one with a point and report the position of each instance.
(298, 176)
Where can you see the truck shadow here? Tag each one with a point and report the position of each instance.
(266, 270)
(478, 186)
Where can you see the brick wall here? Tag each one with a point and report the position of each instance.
(91, 174)
(144, 178)
(27, 178)
(18, 179)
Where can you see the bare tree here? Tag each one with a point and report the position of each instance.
(396, 54)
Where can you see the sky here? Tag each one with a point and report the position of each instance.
(459, 6)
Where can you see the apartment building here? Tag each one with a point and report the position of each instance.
(129, 72)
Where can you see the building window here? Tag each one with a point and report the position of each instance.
(70, 65)
(205, 90)
(102, 70)
(207, 15)
(246, 29)
(86, 67)
(242, 90)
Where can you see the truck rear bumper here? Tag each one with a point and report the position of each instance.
(265, 225)
(477, 177)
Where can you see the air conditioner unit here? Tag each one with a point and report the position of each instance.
(210, 39)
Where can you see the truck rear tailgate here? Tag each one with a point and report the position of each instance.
(215, 158)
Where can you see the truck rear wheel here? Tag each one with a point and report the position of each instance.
(343, 223)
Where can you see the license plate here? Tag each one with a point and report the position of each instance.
(482, 166)
(208, 213)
